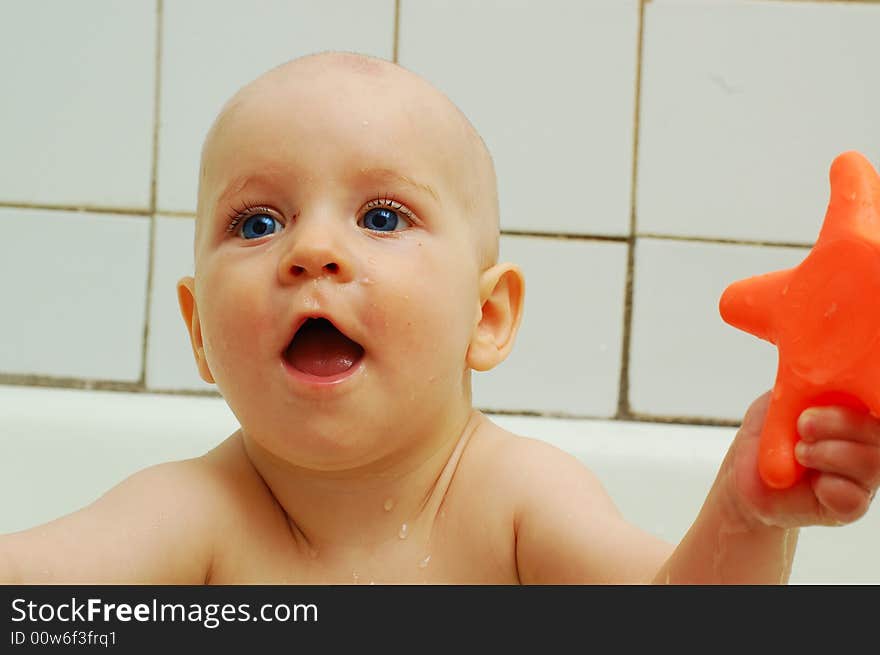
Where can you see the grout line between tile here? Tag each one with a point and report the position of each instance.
(824, 2)
(723, 241)
(78, 384)
(151, 249)
(623, 408)
(175, 214)
(85, 384)
(157, 86)
(814, 2)
(78, 209)
(635, 417)
(395, 47)
(562, 236)
(26, 380)
(524, 233)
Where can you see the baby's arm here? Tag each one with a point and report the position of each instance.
(152, 528)
(746, 532)
(722, 548)
(568, 530)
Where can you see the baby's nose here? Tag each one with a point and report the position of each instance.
(315, 253)
(330, 268)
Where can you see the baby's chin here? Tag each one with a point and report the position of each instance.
(365, 436)
(323, 451)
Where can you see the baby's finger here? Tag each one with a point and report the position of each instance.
(858, 462)
(841, 500)
(838, 423)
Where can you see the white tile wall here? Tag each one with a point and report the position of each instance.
(76, 119)
(213, 47)
(567, 356)
(170, 362)
(684, 359)
(744, 105)
(551, 88)
(73, 289)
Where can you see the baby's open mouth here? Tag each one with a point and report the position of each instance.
(320, 349)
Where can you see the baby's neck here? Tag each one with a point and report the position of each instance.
(360, 514)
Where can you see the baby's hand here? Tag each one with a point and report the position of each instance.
(840, 449)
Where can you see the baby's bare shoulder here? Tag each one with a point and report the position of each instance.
(521, 461)
(158, 526)
(197, 492)
(518, 475)
(567, 528)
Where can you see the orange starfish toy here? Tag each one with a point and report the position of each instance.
(823, 316)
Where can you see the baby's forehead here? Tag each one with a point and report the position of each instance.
(334, 88)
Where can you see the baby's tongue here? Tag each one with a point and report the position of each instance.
(320, 349)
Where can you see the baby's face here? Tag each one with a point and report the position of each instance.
(337, 275)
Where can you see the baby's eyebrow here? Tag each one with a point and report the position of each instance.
(376, 175)
(391, 176)
(240, 183)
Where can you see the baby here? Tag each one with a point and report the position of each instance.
(346, 284)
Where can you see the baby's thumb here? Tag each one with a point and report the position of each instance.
(756, 414)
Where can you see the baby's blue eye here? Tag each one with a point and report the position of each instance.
(258, 225)
(381, 219)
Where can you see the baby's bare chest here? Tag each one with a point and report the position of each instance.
(464, 549)
(467, 537)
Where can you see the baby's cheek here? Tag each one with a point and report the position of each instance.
(420, 310)
(237, 328)
(392, 319)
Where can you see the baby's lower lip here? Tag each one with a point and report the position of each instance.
(321, 380)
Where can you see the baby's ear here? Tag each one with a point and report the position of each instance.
(502, 289)
(186, 298)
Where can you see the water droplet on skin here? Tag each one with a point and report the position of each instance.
(424, 562)
(365, 123)
(388, 505)
(442, 513)
(402, 533)
(368, 281)
(160, 519)
(355, 576)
